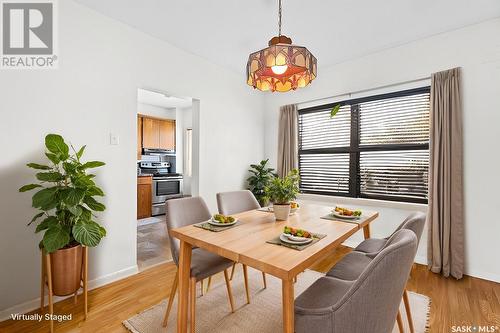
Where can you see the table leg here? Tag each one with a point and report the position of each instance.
(184, 275)
(287, 293)
(366, 231)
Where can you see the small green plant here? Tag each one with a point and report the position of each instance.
(261, 176)
(66, 198)
(283, 190)
(334, 110)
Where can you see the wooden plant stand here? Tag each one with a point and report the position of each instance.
(46, 279)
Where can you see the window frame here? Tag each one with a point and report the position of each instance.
(354, 149)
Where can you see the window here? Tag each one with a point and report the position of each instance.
(375, 147)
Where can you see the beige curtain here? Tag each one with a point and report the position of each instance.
(287, 140)
(446, 221)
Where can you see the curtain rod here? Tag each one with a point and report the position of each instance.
(366, 90)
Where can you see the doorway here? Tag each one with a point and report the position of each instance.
(167, 167)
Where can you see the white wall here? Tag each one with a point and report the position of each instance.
(477, 50)
(94, 93)
(156, 111)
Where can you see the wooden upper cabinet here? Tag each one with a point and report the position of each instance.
(156, 133)
(167, 134)
(139, 137)
(150, 133)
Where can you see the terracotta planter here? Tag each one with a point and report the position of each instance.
(66, 270)
(281, 212)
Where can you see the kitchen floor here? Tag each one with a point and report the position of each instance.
(153, 246)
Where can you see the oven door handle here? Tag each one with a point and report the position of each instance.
(167, 180)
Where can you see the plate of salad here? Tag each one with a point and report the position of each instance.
(222, 220)
(296, 236)
(345, 213)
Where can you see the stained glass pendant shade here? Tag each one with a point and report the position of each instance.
(281, 66)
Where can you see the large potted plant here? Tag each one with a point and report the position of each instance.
(65, 200)
(260, 178)
(281, 191)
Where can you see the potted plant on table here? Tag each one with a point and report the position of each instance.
(281, 192)
(261, 176)
(66, 203)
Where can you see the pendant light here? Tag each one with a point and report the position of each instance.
(281, 66)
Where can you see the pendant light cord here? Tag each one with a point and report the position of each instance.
(279, 17)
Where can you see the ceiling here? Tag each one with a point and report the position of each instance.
(161, 99)
(226, 31)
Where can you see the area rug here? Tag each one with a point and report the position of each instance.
(262, 315)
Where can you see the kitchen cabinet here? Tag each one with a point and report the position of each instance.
(167, 134)
(150, 133)
(144, 196)
(139, 137)
(158, 133)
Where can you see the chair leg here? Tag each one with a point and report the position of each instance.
(245, 278)
(408, 311)
(400, 322)
(232, 271)
(264, 280)
(171, 298)
(201, 283)
(208, 284)
(192, 295)
(229, 291)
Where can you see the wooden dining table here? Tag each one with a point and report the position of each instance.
(246, 243)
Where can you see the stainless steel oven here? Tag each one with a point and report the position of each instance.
(167, 184)
(163, 188)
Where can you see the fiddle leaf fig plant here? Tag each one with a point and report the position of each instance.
(282, 191)
(65, 197)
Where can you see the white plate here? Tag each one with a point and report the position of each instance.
(218, 224)
(296, 238)
(285, 239)
(352, 217)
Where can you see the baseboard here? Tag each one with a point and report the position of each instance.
(485, 276)
(98, 282)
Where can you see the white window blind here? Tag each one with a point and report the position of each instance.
(374, 147)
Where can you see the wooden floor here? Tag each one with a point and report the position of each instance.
(469, 301)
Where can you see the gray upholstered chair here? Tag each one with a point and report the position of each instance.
(367, 304)
(415, 222)
(235, 202)
(352, 264)
(180, 213)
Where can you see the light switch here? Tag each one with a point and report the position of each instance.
(114, 139)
